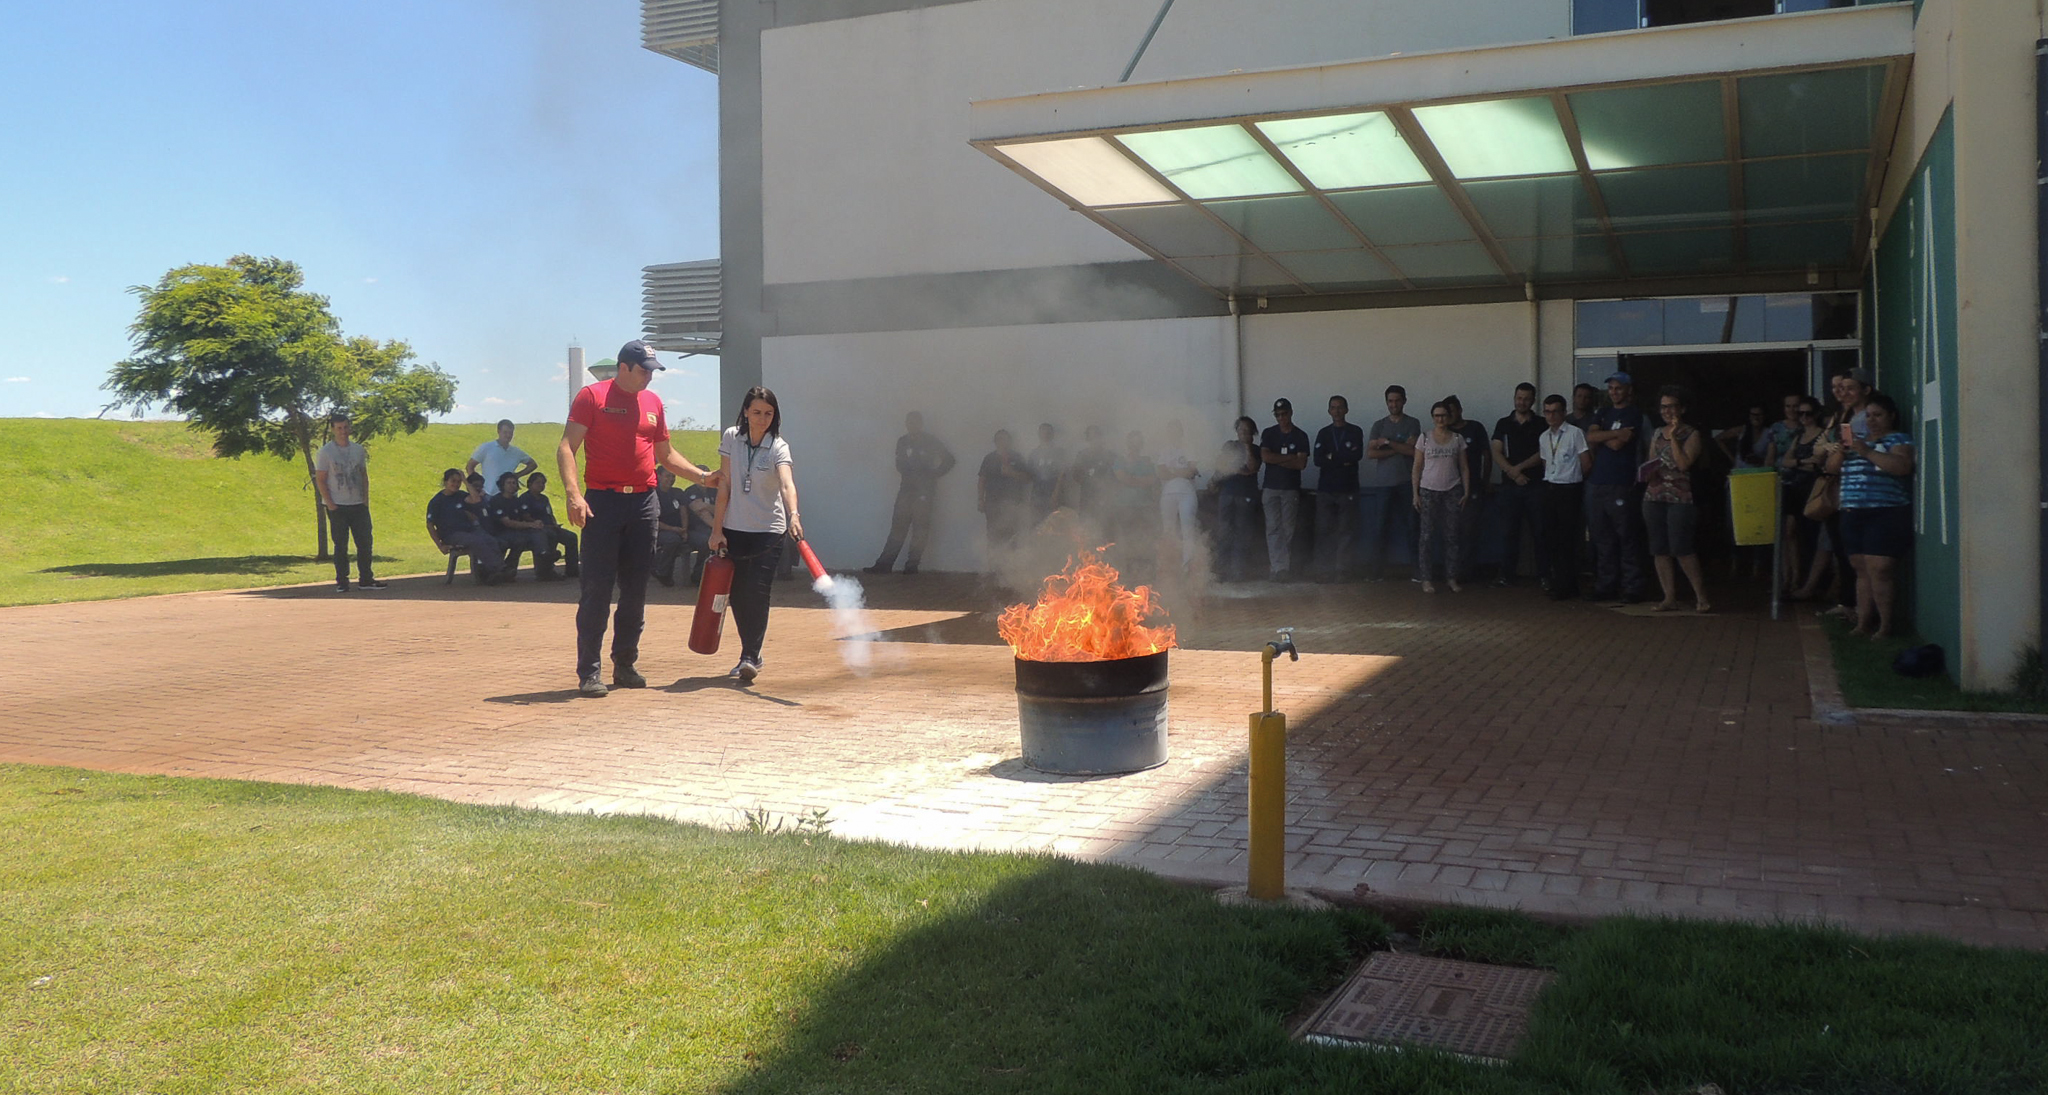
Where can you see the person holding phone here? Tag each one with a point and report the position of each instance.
(1877, 509)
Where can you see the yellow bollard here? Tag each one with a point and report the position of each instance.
(1266, 878)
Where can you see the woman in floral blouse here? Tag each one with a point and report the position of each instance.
(1669, 515)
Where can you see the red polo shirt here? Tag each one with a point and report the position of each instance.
(623, 427)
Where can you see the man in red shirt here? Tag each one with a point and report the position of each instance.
(618, 511)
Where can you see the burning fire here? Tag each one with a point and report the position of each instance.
(1083, 615)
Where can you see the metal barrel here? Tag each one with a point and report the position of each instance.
(1093, 718)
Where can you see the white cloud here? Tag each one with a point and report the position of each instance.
(485, 372)
(44, 414)
(561, 371)
(369, 281)
(17, 380)
(496, 402)
(60, 279)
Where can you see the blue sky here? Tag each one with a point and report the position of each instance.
(482, 180)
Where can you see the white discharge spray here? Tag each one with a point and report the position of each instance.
(850, 626)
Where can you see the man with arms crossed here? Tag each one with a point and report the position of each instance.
(342, 472)
(627, 432)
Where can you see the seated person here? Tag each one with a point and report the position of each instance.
(540, 509)
(458, 526)
(507, 516)
(684, 526)
(701, 504)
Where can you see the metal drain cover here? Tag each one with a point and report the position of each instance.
(1404, 999)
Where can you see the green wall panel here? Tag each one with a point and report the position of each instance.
(1914, 331)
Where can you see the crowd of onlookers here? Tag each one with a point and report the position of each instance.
(1599, 492)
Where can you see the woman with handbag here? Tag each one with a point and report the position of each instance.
(1669, 515)
(1877, 509)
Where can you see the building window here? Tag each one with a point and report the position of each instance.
(1600, 16)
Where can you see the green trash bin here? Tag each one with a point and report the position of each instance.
(1753, 506)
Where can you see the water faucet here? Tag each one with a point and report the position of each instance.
(1284, 645)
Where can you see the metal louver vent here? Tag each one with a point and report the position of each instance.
(686, 30)
(679, 306)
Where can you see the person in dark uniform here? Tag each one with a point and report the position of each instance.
(685, 528)
(457, 526)
(1284, 451)
(1339, 448)
(1003, 494)
(671, 528)
(626, 431)
(507, 517)
(921, 460)
(1091, 482)
(561, 540)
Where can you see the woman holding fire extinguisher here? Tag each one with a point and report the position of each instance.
(757, 508)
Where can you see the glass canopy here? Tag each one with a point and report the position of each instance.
(1693, 176)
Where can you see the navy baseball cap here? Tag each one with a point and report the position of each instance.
(1280, 405)
(639, 353)
(1622, 378)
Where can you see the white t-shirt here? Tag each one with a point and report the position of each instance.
(1176, 460)
(348, 476)
(494, 460)
(753, 482)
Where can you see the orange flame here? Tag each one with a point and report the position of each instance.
(1083, 615)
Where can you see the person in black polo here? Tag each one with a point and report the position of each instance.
(1284, 451)
(538, 508)
(1515, 439)
(459, 526)
(1340, 446)
(507, 517)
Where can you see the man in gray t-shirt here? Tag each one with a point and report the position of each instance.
(1383, 483)
(342, 473)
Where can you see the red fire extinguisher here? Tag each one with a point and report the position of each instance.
(712, 591)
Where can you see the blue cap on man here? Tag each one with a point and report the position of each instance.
(639, 353)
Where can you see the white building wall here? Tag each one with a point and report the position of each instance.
(844, 396)
(866, 167)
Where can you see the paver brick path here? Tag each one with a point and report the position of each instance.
(1489, 747)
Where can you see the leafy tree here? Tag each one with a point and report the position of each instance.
(246, 354)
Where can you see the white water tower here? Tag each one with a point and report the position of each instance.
(577, 376)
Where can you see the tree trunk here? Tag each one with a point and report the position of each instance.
(313, 480)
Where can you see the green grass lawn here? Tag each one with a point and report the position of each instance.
(98, 509)
(171, 935)
(1863, 669)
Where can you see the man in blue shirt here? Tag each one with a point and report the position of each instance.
(1612, 508)
(1284, 451)
(1340, 446)
(456, 525)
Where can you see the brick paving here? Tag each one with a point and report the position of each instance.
(1485, 748)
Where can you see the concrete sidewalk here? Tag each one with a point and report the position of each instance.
(1484, 748)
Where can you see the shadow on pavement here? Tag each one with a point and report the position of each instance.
(562, 695)
(225, 564)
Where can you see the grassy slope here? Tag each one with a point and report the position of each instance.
(178, 935)
(97, 509)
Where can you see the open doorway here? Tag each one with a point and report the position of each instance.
(1723, 386)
